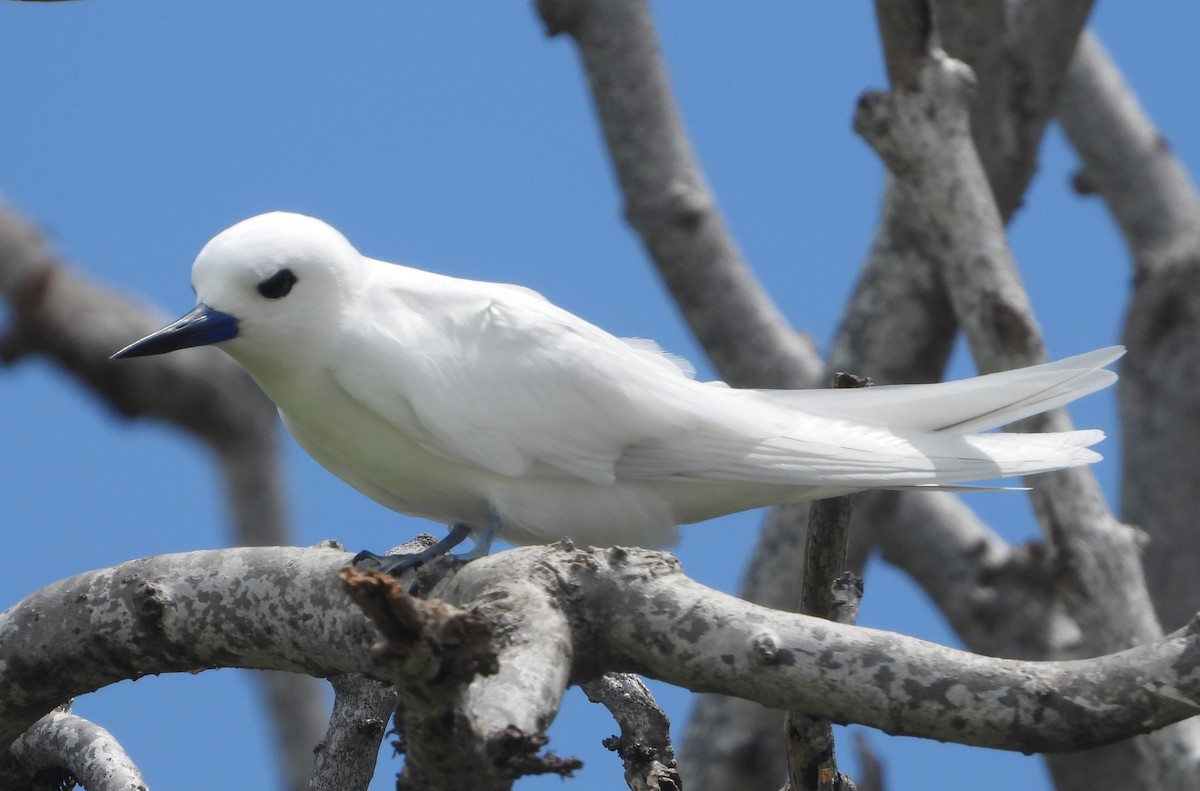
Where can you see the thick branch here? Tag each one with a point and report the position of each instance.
(86, 751)
(1126, 159)
(895, 684)
(1099, 574)
(627, 611)
(1018, 53)
(924, 137)
(279, 609)
(905, 27)
(1154, 201)
(651, 156)
(514, 638)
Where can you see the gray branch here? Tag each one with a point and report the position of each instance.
(267, 609)
(1126, 159)
(645, 741)
(345, 758)
(1153, 200)
(486, 734)
(628, 611)
(899, 327)
(831, 592)
(89, 753)
(924, 136)
(809, 742)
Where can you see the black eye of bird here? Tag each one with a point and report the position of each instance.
(277, 285)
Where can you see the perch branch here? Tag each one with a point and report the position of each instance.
(628, 611)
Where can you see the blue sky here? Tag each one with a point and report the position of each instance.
(457, 137)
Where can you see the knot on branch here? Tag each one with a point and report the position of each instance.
(683, 205)
(150, 603)
(653, 767)
(27, 301)
(559, 16)
(1011, 325)
(430, 639)
(516, 754)
(765, 650)
(686, 204)
(908, 127)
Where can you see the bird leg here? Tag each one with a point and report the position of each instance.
(483, 542)
(396, 564)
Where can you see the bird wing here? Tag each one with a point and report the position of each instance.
(498, 377)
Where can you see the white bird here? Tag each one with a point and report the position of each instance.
(484, 406)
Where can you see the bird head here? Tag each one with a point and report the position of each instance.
(269, 291)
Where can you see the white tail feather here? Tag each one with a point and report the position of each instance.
(968, 405)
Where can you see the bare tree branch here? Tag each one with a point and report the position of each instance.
(1153, 200)
(925, 138)
(905, 28)
(1126, 159)
(1104, 587)
(832, 593)
(1019, 54)
(630, 611)
(487, 734)
(605, 71)
(1006, 120)
(900, 324)
(345, 758)
(86, 751)
(809, 742)
(645, 741)
(176, 613)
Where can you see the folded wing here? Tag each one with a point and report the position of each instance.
(503, 380)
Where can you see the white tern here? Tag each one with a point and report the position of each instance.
(484, 406)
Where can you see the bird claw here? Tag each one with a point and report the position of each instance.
(386, 564)
(398, 564)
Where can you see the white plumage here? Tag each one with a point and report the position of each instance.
(455, 399)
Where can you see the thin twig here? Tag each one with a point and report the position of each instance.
(645, 741)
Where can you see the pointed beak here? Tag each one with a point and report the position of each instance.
(199, 328)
